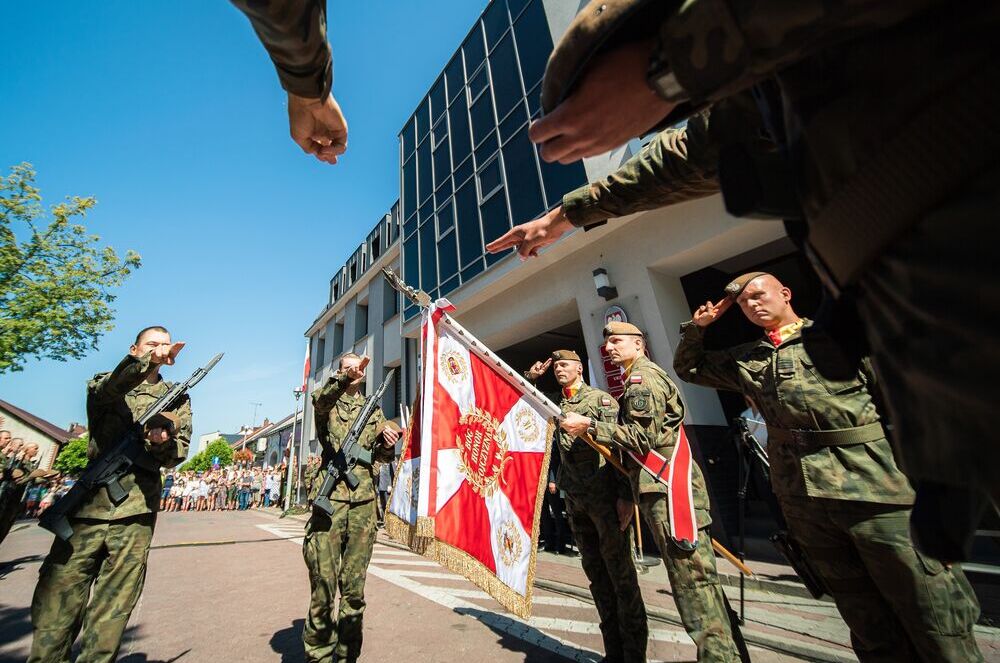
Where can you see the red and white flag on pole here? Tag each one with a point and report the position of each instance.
(469, 487)
(305, 368)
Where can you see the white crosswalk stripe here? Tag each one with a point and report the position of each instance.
(405, 570)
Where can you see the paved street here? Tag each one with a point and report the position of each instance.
(232, 586)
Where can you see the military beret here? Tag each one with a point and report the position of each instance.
(565, 355)
(621, 329)
(736, 286)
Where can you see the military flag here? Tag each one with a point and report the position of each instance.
(469, 488)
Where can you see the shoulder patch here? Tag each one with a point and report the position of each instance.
(635, 379)
(606, 401)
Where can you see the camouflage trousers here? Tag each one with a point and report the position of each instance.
(899, 604)
(109, 556)
(694, 583)
(607, 561)
(337, 551)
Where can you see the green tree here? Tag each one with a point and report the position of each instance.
(72, 458)
(56, 281)
(202, 461)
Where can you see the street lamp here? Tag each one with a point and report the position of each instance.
(291, 453)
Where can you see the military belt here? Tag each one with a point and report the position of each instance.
(827, 438)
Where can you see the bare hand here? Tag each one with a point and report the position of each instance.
(625, 510)
(318, 127)
(611, 104)
(389, 436)
(165, 353)
(157, 436)
(538, 369)
(529, 237)
(552, 487)
(708, 312)
(575, 424)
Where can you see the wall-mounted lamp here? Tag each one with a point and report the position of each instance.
(603, 284)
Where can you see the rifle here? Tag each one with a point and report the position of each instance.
(108, 468)
(350, 452)
(782, 540)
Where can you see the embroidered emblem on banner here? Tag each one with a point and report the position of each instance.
(527, 426)
(409, 495)
(483, 447)
(454, 368)
(508, 543)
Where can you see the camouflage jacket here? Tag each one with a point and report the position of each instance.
(583, 473)
(294, 34)
(649, 418)
(792, 395)
(679, 164)
(114, 401)
(335, 410)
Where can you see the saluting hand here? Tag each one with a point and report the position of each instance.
(166, 353)
(318, 127)
(538, 369)
(708, 312)
(529, 237)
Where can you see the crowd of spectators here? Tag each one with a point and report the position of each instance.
(224, 489)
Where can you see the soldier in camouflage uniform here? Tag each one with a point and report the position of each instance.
(15, 480)
(337, 549)
(595, 495)
(312, 468)
(105, 559)
(833, 471)
(650, 416)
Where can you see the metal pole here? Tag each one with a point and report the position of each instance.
(291, 452)
(302, 449)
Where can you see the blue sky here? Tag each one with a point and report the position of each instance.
(171, 115)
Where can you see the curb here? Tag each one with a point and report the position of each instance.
(796, 590)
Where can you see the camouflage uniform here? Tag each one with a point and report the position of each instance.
(12, 493)
(592, 487)
(105, 559)
(650, 416)
(337, 549)
(845, 500)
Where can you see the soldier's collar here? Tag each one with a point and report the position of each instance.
(572, 390)
(783, 334)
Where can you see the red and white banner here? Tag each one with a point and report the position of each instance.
(305, 368)
(469, 488)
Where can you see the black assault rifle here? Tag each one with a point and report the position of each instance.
(351, 451)
(108, 468)
(782, 540)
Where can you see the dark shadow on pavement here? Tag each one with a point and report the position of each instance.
(12, 565)
(143, 658)
(505, 627)
(15, 623)
(288, 643)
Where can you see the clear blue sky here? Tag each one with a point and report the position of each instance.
(171, 115)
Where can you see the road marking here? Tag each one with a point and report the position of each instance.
(405, 562)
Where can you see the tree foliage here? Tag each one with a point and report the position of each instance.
(72, 458)
(56, 280)
(202, 461)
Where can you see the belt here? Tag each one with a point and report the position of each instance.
(827, 438)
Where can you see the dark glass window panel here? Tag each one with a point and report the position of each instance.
(410, 225)
(483, 121)
(409, 139)
(506, 82)
(442, 161)
(443, 192)
(458, 117)
(424, 180)
(439, 133)
(559, 179)
(479, 82)
(534, 42)
(410, 187)
(411, 312)
(472, 270)
(427, 212)
(411, 260)
(463, 172)
(438, 103)
(428, 259)
(447, 257)
(489, 178)
(473, 48)
(445, 218)
(449, 285)
(522, 179)
(510, 125)
(423, 120)
(470, 243)
(495, 21)
(534, 97)
(495, 221)
(487, 149)
(516, 7)
(455, 76)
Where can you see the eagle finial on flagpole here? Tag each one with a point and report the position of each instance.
(418, 297)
